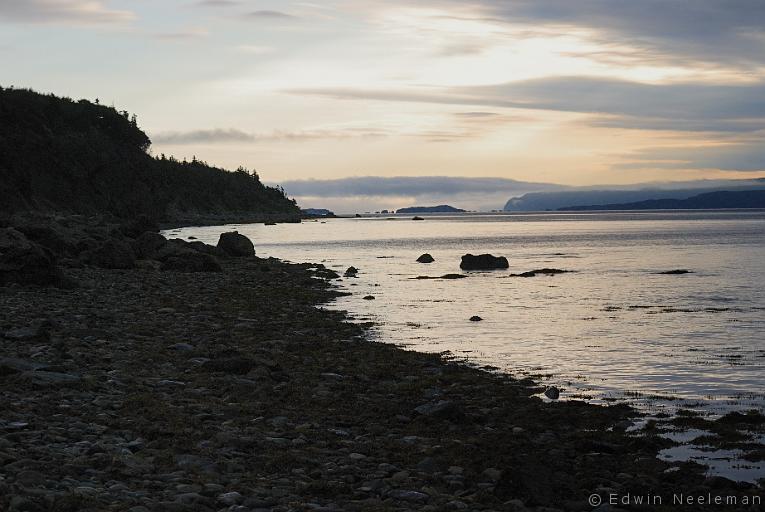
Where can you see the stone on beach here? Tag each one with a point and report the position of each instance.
(236, 245)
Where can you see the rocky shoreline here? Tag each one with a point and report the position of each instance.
(185, 379)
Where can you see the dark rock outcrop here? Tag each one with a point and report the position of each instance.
(483, 262)
(236, 245)
(425, 258)
(351, 272)
(25, 262)
(543, 271)
(475, 318)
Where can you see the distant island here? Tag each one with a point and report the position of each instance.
(707, 201)
(317, 212)
(80, 157)
(441, 208)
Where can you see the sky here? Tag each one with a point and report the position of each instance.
(546, 91)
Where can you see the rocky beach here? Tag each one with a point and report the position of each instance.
(145, 374)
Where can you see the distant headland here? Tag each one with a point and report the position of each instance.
(441, 208)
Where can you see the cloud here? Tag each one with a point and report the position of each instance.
(413, 186)
(203, 137)
(183, 35)
(62, 11)
(217, 3)
(233, 135)
(268, 14)
(631, 104)
(743, 156)
(726, 32)
(369, 193)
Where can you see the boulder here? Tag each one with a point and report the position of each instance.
(552, 393)
(475, 318)
(351, 272)
(48, 237)
(148, 244)
(111, 254)
(25, 262)
(483, 262)
(417, 218)
(425, 258)
(138, 226)
(207, 249)
(442, 409)
(235, 244)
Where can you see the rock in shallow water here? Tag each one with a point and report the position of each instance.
(425, 258)
(552, 393)
(483, 262)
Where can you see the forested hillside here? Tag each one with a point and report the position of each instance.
(60, 155)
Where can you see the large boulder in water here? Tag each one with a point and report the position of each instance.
(25, 262)
(483, 262)
(425, 258)
(234, 244)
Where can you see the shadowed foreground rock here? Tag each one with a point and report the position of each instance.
(169, 391)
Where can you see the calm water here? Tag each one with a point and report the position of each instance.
(613, 328)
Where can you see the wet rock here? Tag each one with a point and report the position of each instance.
(230, 498)
(552, 393)
(369, 297)
(475, 318)
(442, 409)
(406, 495)
(417, 218)
(425, 258)
(207, 249)
(543, 271)
(236, 245)
(445, 276)
(676, 272)
(483, 262)
(351, 272)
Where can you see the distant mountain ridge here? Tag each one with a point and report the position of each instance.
(64, 156)
(707, 201)
(586, 197)
(441, 208)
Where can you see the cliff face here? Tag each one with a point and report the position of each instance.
(58, 155)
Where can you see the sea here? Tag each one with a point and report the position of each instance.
(615, 327)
